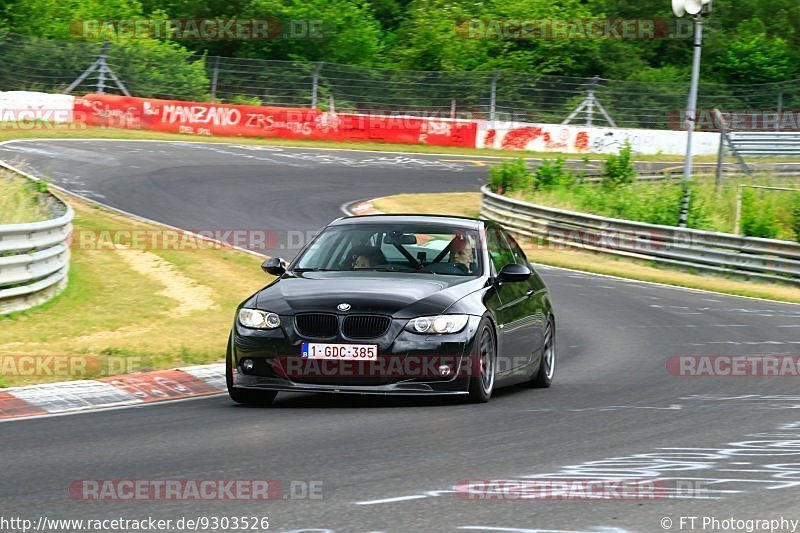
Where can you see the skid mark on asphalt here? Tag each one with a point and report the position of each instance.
(62, 153)
(671, 407)
(753, 343)
(307, 159)
(766, 460)
(734, 310)
(595, 529)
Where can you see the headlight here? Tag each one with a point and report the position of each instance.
(437, 324)
(253, 318)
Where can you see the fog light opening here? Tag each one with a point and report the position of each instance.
(247, 365)
(444, 370)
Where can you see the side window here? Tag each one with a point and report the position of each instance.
(499, 250)
(519, 255)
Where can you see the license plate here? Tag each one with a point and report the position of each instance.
(340, 352)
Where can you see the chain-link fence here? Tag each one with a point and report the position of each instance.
(38, 64)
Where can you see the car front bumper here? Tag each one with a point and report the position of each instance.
(407, 362)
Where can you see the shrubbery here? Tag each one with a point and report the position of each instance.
(796, 217)
(759, 217)
(768, 214)
(551, 173)
(619, 169)
(511, 175)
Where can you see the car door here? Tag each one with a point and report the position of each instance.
(535, 306)
(512, 309)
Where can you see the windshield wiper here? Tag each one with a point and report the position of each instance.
(301, 270)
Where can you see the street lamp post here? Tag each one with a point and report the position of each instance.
(696, 8)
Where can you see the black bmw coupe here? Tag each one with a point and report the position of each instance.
(396, 304)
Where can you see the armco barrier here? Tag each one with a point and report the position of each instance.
(34, 259)
(765, 143)
(767, 259)
(261, 121)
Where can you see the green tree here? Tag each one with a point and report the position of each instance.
(754, 57)
(147, 66)
(340, 31)
(459, 35)
(61, 18)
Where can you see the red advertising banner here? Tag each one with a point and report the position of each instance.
(260, 121)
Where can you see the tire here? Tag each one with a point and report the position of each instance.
(244, 396)
(547, 365)
(484, 359)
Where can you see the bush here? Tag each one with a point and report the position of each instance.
(654, 203)
(619, 169)
(796, 217)
(551, 173)
(510, 175)
(758, 216)
(699, 215)
(239, 99)
(158, 69)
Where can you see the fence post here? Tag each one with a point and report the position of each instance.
(590, 101)
(721, 122)
(453, 108)
(102, 69)
(315, 85)
(493, 97)
(779, 111)
(101, 72)
(214, 77)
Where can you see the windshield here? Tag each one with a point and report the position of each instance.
(413, 248)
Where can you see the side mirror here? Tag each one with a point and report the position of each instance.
(275, 266)
(513, 272)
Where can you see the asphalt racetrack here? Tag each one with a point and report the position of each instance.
(724, 447)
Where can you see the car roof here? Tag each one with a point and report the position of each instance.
(445, 220)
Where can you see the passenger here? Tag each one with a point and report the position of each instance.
(362, 261)
(368, 257)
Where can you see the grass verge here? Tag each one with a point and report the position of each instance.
(131, 308)
(10, 131)
(20, 200)
(772, 214)
(468, 204)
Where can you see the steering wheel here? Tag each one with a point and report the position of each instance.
(462, 267)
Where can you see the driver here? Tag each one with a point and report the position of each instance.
(460, 252)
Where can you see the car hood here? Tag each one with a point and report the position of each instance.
(367, 292)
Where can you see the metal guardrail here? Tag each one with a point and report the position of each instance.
(765, 143)
(709, 251)
(34, 258)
